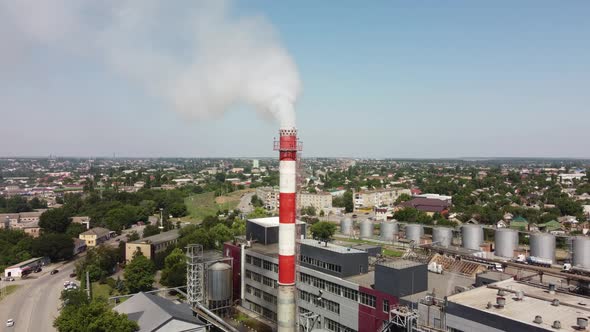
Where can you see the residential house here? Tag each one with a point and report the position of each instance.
(151, 245)
(95, 236)
(519, 223)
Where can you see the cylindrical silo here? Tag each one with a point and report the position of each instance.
(506, 241)
(442, 236)
(219, 285)
(472, 236)
(388, 230)
(581, 248)
(414, 232)
(543, 246)
(346, 226)
(366, 229)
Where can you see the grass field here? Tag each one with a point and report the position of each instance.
(201, 205)
(99, 290)
(9, 290)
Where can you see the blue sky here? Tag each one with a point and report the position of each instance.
(399, 79)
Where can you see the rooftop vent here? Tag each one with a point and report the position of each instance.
(519, 295)
(582, 323)
(501, 292)
(489, 306)
(556, 325)
(538, 319)
(551, 288)
(555, 302)
(500, 302)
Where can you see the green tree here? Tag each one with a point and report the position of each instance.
(258, 213)
(150, 230)
(139, 274)
(75, 229)
(54, 220)
(403, 198)
(174, 272)
(348, 202)
(133, 236)
(95, 316)
(308, 210)
(74, 297)
(55, 246)
(323, 230)
(220, 234)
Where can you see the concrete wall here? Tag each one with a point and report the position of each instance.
(403, 281)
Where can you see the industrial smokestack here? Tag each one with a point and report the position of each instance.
(288, 147)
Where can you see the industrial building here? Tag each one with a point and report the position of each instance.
(24, 268)
(511, 305)
(335, 284)
(151, 245)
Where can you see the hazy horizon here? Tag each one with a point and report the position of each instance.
(402, 80)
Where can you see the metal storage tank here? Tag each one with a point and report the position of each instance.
(442, 236)
(219, 285)
(472, 236)
(388, 230)
(505, 242)
(581, 252)
(414, 232)
(543, 246)
(366, 229)
(346, 226)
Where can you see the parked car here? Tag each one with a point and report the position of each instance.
(73, 275)
(9, 279)
(10, 323)
(54, 272)
(37, 270)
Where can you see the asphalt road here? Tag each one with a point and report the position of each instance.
(34, 305)
(244, 204)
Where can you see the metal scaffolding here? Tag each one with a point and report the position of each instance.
(194, 274)
(401, 317)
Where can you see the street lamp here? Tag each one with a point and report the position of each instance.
(161, 219)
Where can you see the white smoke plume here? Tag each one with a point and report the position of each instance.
(197, 55)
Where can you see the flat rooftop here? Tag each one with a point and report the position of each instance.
(271, 250)
(270, 221)
(331, 247)
(537, 301)
(159, 238)
(400, 264)
(442, 285)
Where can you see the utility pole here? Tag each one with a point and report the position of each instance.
(161, 219)
(88, 285)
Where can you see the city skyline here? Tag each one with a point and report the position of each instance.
(387, 80)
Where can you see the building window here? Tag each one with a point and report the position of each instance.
(367, 299)
(386, 306)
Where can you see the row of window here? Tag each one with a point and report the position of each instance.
(269, 266)
(331, 325)
(267, 313)
(362, 298)
(261, 279)
(261, 294)
(320, 264)
(329, 286)
(367, 299)
(322, 303)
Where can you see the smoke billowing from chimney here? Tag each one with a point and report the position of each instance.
(201, 58)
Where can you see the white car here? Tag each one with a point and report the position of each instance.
(10, 323)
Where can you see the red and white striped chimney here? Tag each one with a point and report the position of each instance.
(288, 147)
